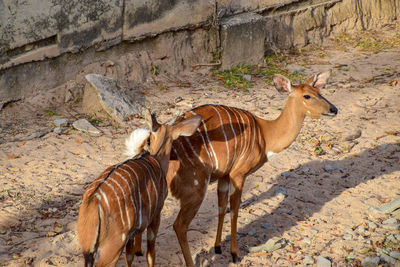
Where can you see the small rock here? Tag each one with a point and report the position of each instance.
(370, 262)
(392, 239)
(228, 237)
(271, 245)
(333, 167)
(391, 226)
(395, 254)
(388, 259)
(361, 230)
(84, 126)
(348, 237)
(308, 260)
(360, 237)
(247, 77)
(314, 231)
(60, 122)
(252, 232)
(307, 240)
(268, 227)
(295, 68)
(285, 174)
(383, 146)
(58, 130)
(353, 136)
(372, 225)
(390, 221)
(109, 63)
(323, 262)
(280, 192)
(306, 169)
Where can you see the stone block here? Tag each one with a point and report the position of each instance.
(148, 18)
(242, 40)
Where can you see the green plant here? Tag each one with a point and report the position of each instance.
(234, 78)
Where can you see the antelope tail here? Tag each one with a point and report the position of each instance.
(89, 228)
(136, 142)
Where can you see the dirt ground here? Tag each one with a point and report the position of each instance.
(330, 177)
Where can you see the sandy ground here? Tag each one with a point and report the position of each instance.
(322, 213)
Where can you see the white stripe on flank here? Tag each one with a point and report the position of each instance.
(130, 189)
(151, 176)
(246, 136)
(234, 111)
(209, 142)
(125, 198)
(226, 139)
(147, 190)
(106, 182)
(138, 194)
(105, 198)
(233, 131)
(184, 152)
(97, 232)
(194, 152)
(254, 133)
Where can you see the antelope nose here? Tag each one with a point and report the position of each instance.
(333, 110)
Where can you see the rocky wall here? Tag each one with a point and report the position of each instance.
(44, 43)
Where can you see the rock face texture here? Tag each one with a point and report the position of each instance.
(44, 43)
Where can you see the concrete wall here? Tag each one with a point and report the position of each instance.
(39, 39)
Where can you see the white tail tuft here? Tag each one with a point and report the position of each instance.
(136, 141)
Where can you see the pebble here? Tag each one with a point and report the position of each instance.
(269, 246)
(247, 77)
(286, 174)
(333, 167)
(85, 126)
(268, 227)
(307, 240)
(372, 225)
(58, 130)
(252, 232)
(370, 262)
(60, 122)
(306, 169)
(395, 254)
(295, 68)
(280, 192)
(388, 259)
(348, 237)
(361, 230)
(353, 136)
(390, 221)
(383, 146)
(308, 260)
(323, 262)
(314, 231)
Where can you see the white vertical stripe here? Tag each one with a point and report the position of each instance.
(138, 194)
(233, 131)
(147, 190)
(184, 152)
(223, 131)
(194, 152)
(209, 142)
(152, 175)
(125, 198)
(240, 128)
(106, 182)
(244, 133)
(254, 133)
(130, 190)
(105, 198)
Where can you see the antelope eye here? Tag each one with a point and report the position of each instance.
(307, 96)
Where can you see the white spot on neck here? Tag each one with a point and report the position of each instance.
(271, 154)
(196, 182)
(123, 237)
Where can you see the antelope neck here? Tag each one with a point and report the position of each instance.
(281, 132)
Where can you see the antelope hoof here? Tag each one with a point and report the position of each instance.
(139, 253)
(235, 258)
(218, 250)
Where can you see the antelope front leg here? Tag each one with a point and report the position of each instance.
(152, 231)
(223, 192)
(234, 204)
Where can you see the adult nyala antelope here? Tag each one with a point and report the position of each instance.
(128, 197)
(229, 145)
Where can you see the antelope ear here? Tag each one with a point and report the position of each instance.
(282, 84)
(151, 121)
(319, 80)
(186, 127)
